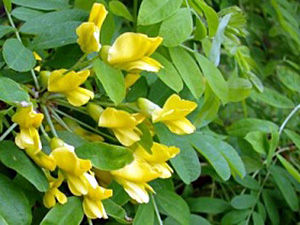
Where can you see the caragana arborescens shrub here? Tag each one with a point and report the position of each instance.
(149, 112)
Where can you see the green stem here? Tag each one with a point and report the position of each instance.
(67, 104)
(7, 132)
(42, 128)
(90, 222)
(156, 210)
(288, 118)
(59, 120)
(135, 14)
(245, 109)
(81, 64)
(82, 58)
(48, 118)
(19, 38)
(86, 125)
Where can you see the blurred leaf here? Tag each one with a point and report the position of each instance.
(11, 92)
(214, 77)
(189, 70)
(258, 140)
(177, 28)
(273, 98)
(44, 5)
(234, 217)
(294, 137)
(4, 30)
(208, 205)
(289, 167)
(200, 32)
(14, 206)
(16, 159)
(23, 13)
(244, 201)
(119, 9)
(144, 214)
(17, 56)
(248, 182)
(70, 213)
(289, 78)
(257, 219)
(271, 207)
(173, 205)
(115, 211)
(7, 4)
(194, 220)
(239, 89)
(168, 74)
(105, 156)
(112, 81)
(154, 11)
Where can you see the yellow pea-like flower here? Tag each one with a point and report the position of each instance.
(53, 192)
(159, 157)
(28, 121)
(68, 85)
(172, 114)
(92, 201)
(134, 177)
(123, 125)
(132, 51)
(89, 32)
(73, 168)
(41, 159)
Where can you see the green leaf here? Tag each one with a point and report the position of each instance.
(208, 205)
(115, 211)
(15, 158)
(243, 201)
(7, 4)
(289, 78)
(186, 164)
(257, 219)
(289, 167)
(239, 89)
(248, 182)
(23, 13)
(294, 137)
(146, 138)
(273, 98)
(168, 74)
(209, 148)
(234, 217)
(4, 30)
(258, 140)
(214, 77)
(3, 221)
(241, 127)
(201, 31)
(17, 56)
(119, 9)
(189, 70)
(44, 5)
(271, 207)
(70, 213)
(194, 220)
(14, 206)
(173, 205)
(215, 51)
(286, 188)
(177, 28)
(11, 92)
(154, 11)
(105, 156)
(44, 22)
(144, 215)
(112, 81)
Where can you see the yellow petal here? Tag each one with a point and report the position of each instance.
(79, 96)
(26, 117)
(88, 37)
(181, 127)
(137, 171)
(130, 47)
(58, 82)
(93, 209)
(42, 159)
(165, 169)
(112, 118)
(49, 200)
(127, 137)
(145, 63)
(78, 185)
(130, 79)
(37, 56)
(61, 197)
(98, 14)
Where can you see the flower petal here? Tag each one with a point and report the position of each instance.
(88, 37)
(79, 96)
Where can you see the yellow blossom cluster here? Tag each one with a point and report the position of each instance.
(130, 52)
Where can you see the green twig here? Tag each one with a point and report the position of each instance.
(42, 128)
(80, 61)
(60, 120)
(48, 118)
(7, 132)
(156, 210)
(288, 118)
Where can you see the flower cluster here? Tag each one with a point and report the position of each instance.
(131, 53)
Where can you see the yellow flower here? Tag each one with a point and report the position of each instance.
(89, 32)
(68, 85)
(72, 168)
(28, 120)
(160, 154)
(131, 52)
(41, 159)
(134, 178)
(172, 114)
(53, 192)
(38, 58)
(92, 205)
(123, 125)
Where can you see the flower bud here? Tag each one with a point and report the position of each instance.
(94, 111)
(103, 54)
(147, 107)
(44, 77)
(56, 143)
